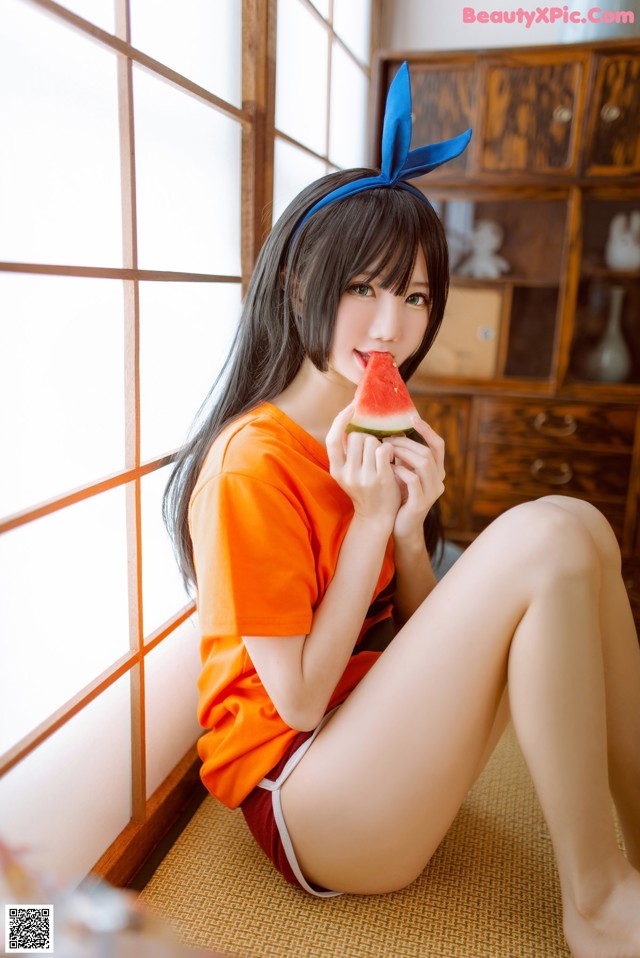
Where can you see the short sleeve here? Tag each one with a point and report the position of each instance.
(254, 561)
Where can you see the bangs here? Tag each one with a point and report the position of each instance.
(384, 243)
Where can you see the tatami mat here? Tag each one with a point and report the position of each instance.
(491, 890)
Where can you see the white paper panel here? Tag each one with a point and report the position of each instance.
(188, 181)
(197, 38)
(63, 615)
(293, 170)
(349, 111)
(185, 333)
(352, 23)
(322, 6)
(59, 153)
(100, 12)
(68, 800)
(171, 673)
(61, 385)
(163, 593)
(301, 75)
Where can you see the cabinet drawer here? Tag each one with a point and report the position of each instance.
(560, 424)
(443, 102)
(529, 125)
(484, 509)
(549, 469)
(614, 140)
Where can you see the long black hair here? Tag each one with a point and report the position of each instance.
(290, 308)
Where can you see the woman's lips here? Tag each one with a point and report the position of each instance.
(364, 357)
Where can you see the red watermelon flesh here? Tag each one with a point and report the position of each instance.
(383, 404)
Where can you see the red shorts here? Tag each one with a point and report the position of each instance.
(262, 810)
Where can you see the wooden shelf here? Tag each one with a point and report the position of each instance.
(550, 167)
(610, 275)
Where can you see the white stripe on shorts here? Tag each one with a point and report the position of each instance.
(274, 787)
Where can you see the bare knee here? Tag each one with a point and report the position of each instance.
(548, 543)
(596, 523)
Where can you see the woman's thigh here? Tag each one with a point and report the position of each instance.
(376, 793)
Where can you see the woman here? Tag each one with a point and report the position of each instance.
(307, 545)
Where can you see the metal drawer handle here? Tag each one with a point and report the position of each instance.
(562, 114)
(610, 112)
(551, 475)
(561, 426)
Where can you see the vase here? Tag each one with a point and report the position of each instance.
(610, 360)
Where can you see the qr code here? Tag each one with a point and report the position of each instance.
(28, 929)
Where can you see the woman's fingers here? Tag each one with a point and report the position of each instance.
(384, 455)
(411, 488)
(416, 454)
(423, 461)
(431, 437)
(361, 465)
(420, 491)
(367, 453)
(336, 437)
(425, 481)
(355, 451)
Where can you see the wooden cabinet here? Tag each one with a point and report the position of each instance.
(450, 417)
(533, 381)
(613, 145)
(551, 111)
(443, 104)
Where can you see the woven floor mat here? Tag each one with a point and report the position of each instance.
(491, 890)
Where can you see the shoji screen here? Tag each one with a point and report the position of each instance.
(120, 282)
(322, 89)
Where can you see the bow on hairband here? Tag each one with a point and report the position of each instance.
(399, 163)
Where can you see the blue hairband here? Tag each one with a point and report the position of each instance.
(399, 163)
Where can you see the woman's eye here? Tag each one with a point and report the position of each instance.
(417, 299)
(360, 289)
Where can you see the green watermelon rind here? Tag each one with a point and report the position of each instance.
(382, 433)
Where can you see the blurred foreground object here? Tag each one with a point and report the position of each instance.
(90, 920)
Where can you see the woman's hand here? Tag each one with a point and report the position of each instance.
(361, 465)
(420, 474)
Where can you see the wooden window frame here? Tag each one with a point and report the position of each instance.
(368, 70)
(152, 817)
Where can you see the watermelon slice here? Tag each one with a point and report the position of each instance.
(383, 404)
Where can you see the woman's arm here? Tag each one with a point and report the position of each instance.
(419, 470)
(300, 673)
(414, 576)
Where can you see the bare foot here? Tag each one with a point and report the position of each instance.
(608, 927)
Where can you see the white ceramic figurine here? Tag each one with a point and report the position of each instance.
(622, 251)
(483, 262)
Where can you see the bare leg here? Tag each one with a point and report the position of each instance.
(379, 788)
(621, 654)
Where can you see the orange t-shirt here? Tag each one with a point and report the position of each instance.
(267, 522)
